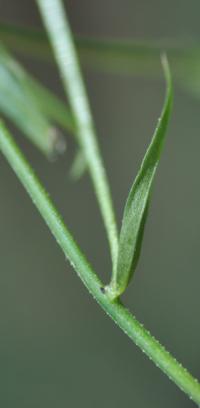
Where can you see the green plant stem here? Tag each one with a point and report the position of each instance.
(61, 38)
(122, 317)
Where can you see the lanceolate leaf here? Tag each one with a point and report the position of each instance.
(136, 208)
(31, 106)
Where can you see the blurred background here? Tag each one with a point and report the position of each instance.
(58, 348)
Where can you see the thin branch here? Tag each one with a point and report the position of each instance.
(61, 39)
(122, 317)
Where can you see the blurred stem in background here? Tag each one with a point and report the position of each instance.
(140, 58)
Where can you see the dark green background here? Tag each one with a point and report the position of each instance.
(57, 348)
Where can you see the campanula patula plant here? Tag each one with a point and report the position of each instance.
(33, 108)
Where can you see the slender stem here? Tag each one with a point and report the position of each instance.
(61, 38)
(122, 317)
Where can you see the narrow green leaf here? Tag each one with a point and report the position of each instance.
(22, 96)
(136, 207)
(49, 104)
(17, 107)
(32, 107)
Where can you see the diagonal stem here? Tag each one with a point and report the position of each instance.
(61, 39)
(122, 317)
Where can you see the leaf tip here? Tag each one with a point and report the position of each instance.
(166, 67)
(57, 143)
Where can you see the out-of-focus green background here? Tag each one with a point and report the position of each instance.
(58, 349)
